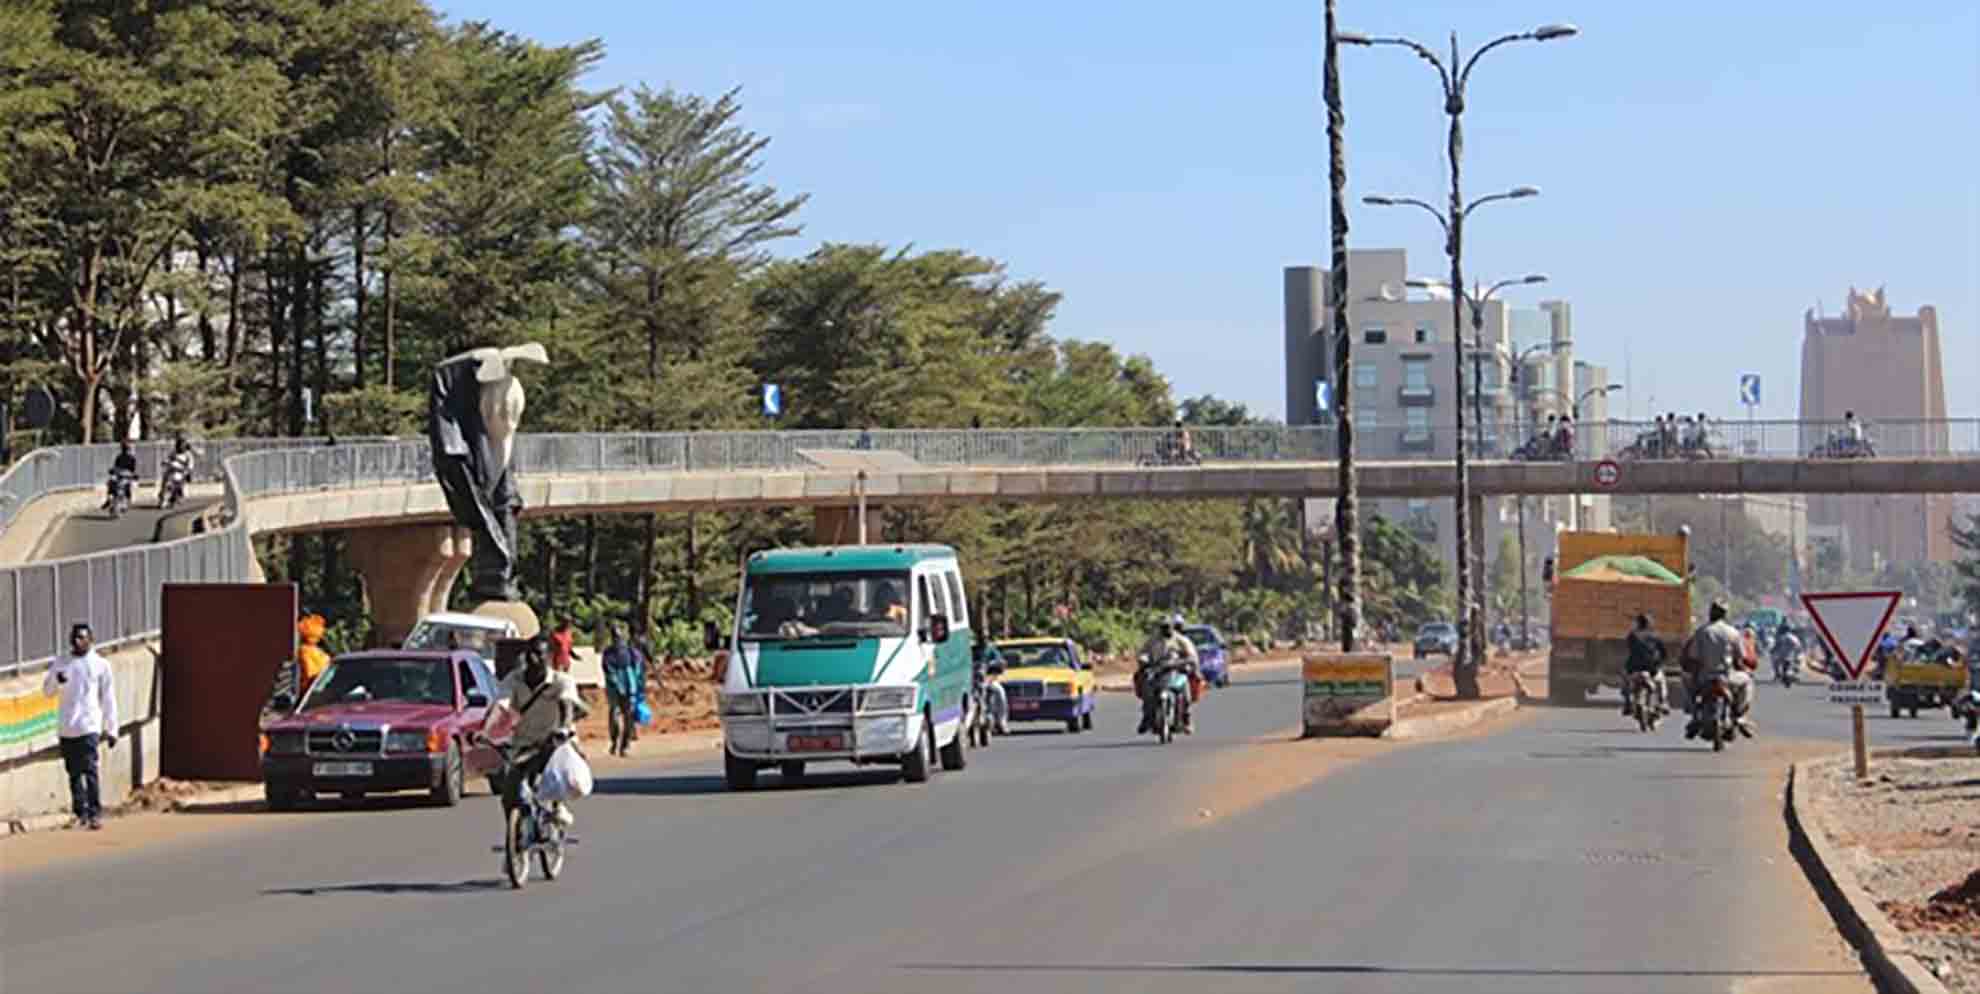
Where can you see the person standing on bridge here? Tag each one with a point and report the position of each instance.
(88, 716)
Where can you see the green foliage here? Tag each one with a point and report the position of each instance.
(376, 410)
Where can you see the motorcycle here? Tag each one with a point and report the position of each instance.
(1715, 712)
(1787, 667)
(1170, 452)
(532, 827)
(172, 489)
(1643, 701)
(1966, 707)
(1545, 447)
(120, 486)
(982, 719)
(1842, 446)
(1172, 690)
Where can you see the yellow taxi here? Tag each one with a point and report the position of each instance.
(1048, 679)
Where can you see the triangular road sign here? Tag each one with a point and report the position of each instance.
(1851, 622)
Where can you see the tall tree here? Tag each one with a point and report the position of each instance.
(680, 217)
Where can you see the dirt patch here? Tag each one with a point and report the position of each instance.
(1911, 837)
(1495, 679)
(171, 795)
(682, 696)
(1955, 909)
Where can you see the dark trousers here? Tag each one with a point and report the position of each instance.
(620, 719)
(525, 772)
(85, 784)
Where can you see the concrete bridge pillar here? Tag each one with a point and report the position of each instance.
(407, 571)
(840, 525)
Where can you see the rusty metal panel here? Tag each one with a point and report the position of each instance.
(224, 645)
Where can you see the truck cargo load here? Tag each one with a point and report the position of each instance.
(1603, 581)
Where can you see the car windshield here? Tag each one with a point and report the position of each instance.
(1203, 637)
(1037, 655)
(359, 681)
(1436, 630)
(787, 606)
(435, 635)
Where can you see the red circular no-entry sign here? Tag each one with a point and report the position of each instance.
(1608, 473)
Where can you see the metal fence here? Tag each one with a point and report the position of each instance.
(117, 592)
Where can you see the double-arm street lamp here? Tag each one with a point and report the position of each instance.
(1455, 75)
(1478, 301)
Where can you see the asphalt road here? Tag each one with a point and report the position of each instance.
(1556, 851)
(92, 529)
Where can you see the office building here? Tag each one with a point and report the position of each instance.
(1403, 388)
(1885, 368)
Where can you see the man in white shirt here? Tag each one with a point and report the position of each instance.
(88, 714)
(535, 704)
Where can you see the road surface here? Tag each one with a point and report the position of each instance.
(88, 528)
(1553, 851)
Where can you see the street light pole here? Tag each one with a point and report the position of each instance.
(1454, 76)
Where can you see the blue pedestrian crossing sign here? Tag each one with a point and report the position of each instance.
(773, 400)
(1749, 389)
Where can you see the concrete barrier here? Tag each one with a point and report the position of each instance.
(34, 787)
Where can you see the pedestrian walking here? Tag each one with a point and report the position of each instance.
(88, 717)
(562, 638)
(625, 682)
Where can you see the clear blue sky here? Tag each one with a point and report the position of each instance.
(1710, 170)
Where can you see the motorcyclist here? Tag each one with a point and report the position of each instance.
(988, 665)
(125, 465)
(1646, 655)
(1787, 649)
(1181, 446)
(180, 462)
(1167, 645)
(1716, 649)
(541, 707)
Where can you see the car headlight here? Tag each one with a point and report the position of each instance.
(886, 699)
(284, 743)
(1058, 690)
(741, 705)
(415, 740)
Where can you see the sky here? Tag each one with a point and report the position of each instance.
(1709, 171)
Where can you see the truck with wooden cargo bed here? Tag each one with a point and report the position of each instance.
(1601, 582)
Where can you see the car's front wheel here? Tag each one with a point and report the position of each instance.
(453, 779)
(281, 798)
(739, 773)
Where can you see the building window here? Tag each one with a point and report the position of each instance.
(1367, 418)
(1423, 332)
(1416, 421)
(1367, 376)
(1416, 375)
(1374, 334)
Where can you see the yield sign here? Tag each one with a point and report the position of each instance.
(1851, 622)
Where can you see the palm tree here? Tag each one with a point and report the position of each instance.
(1271, 542)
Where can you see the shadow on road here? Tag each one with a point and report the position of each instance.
(330, 803)
(463, 887)
(768, 782)
(1350, 969)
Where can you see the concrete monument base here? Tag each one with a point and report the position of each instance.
(516, 612)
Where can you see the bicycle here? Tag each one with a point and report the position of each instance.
(531, 827)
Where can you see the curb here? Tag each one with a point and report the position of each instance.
(1417, 728)
(1885, 952)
